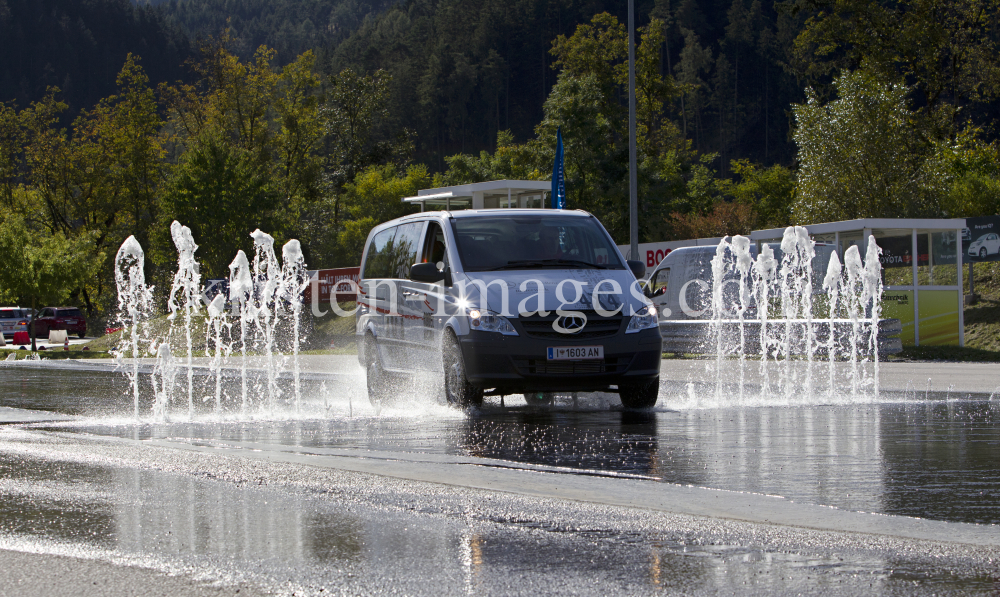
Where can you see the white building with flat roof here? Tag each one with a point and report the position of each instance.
(491, 194)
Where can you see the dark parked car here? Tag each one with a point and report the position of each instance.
(60, 318)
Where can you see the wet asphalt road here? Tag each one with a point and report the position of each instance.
(569, 499)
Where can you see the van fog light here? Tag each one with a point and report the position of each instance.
(490, 322)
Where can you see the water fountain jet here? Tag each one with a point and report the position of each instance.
(135, 300)
(187, 283)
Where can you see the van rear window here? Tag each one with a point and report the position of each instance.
(68, 313)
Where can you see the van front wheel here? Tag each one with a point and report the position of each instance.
(640, 395)
(457, 388)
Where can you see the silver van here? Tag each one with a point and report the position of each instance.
(501, 302)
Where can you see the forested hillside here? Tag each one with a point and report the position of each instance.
(289, 26)
(464, 69)
(80, 47)
(311, 119)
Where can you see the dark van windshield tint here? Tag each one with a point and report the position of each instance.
(532, 242)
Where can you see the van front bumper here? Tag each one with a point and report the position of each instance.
(518, 364)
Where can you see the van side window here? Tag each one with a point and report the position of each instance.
(659, 280)
(435, 250)
(405, 249)
(378, 264)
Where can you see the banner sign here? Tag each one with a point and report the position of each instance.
(333, 280)
(981, 239)
(653, 253)
(897, 251)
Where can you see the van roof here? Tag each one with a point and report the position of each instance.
(508, 211)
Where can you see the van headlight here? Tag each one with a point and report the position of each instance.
(488, 321)
(643, 320)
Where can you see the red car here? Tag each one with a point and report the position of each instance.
(60, 318)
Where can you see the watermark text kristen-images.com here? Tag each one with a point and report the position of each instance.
(382, 296)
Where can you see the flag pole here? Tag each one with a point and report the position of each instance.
(558, 175)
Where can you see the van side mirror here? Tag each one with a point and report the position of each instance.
(638, 268)
(429, 273)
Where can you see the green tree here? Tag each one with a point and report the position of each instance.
(769, 192)
(375, 196)
(588, 103)
(862, 155)
(975, 186)
(354, 124)
(11, 152)
(510, 161)
(249, 141)
(948, 49)
(221, 193)
(99, 177)
(41, 268)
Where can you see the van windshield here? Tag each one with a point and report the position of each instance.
(533, 242)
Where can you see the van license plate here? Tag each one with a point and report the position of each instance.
(575, 353)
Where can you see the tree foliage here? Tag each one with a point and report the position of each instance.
(79, 47)
(862, 155)
(38, 268)
(249, 137)
(946, 50)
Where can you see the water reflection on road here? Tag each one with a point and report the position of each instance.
(924, 458)
(342, 535)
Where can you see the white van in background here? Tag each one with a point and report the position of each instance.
(681, 289)
(681, 284)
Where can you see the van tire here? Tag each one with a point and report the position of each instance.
(457, 389)
(539, 398)
(640, 395)
(380, 384)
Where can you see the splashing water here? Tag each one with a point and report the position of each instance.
(293, 282)
(764, 269)
(267, 280)
(778, 317)
(216, 321)
(263, 297)
(187, 283)
(134, 303)
(164, 374)
(240, 294)
(832, 284)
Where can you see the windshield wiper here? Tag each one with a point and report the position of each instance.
(527, 263)
(579, 263)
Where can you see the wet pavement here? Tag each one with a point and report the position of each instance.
(250, 500)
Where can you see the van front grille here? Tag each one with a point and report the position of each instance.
(597, 326)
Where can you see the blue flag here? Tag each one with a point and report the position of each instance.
(558, 178)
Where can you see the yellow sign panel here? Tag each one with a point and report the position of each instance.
(938, 315)
(898, 304)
